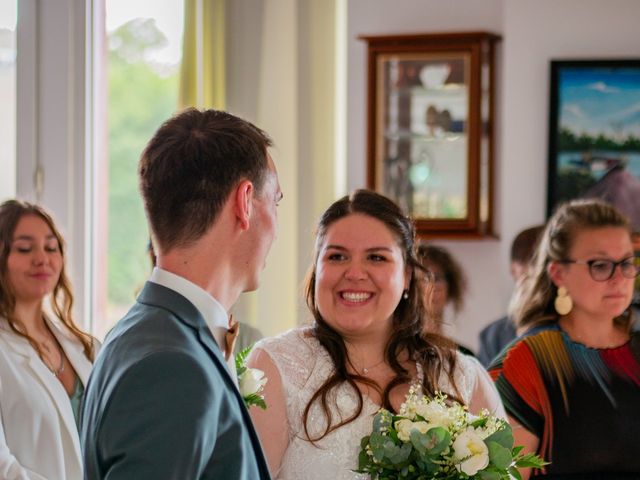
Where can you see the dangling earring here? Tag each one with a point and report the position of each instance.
(563, 303)
(405, 294)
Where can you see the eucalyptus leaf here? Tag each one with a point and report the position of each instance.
(515, 473)
(499, 455)
(504, 437)
(438, 439)
(397, 454)
(489, 475)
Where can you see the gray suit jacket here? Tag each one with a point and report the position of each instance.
(160, 403)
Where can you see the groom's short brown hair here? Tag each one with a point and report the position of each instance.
(189, 168)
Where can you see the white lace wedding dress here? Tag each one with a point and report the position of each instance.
(303, 365)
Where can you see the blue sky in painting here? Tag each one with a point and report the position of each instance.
(600, 101)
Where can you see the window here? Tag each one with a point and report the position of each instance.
(136, 72)
(8, 21)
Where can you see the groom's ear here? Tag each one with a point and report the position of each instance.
(243, 197)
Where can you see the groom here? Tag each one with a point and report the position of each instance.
(160, 403)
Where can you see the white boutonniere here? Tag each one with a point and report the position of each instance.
(250, 380)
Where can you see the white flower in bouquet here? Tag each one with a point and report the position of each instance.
(470, 453)
(405, 426)
(435, 413)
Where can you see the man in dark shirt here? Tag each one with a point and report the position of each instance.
(499, 333)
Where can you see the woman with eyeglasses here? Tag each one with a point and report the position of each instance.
(445, 284)
(571, 384)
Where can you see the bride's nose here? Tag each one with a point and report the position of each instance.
(355, 271)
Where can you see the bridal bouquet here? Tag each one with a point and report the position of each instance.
(436, 439)
(250, 380)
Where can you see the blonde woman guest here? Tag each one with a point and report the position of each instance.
(45, 359)
(571, 383)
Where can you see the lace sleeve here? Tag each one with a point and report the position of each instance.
(293, 354)
(476, 387)
(274, 440)
(287, 361)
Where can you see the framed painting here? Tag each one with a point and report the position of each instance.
(594, 133)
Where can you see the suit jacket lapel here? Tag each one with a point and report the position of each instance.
(160, 296)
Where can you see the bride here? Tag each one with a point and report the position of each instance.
(364, 349)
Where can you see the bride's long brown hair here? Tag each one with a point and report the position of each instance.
(435, 353)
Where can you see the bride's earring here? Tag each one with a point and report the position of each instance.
(405, 294)
(563, 303)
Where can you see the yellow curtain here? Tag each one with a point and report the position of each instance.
(202, 73)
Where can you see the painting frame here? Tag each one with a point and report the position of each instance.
(594, 133)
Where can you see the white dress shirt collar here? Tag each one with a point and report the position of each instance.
(214, 314)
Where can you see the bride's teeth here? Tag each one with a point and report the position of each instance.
(356, 297)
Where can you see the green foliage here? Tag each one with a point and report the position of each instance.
(499, 455)
(241, 360)
(255, 399)
(503, 437)
(569, 141)
(252, 398)
(140, 99)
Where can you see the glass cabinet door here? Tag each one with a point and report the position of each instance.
(429, 129)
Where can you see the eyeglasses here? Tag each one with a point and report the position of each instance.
(603, 270)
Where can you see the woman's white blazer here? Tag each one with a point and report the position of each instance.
(38, 433)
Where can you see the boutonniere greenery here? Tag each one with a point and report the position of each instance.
(250, 380)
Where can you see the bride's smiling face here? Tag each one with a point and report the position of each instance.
(360, 276)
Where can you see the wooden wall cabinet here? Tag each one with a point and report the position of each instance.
(430, 129)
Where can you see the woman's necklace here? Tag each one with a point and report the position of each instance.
(365, 370)
(59, 371)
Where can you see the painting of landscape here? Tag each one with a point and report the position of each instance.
(594, 137)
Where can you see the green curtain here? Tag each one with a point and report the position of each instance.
(202, 73)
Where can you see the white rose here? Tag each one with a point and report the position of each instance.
(252, 381)
(405, 426)
(434, 413)
(409, 411)
(422, 427)
(470, 453)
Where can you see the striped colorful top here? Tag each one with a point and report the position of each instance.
(582, 403)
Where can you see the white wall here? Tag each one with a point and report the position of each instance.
(281, 70)
(533, 32)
